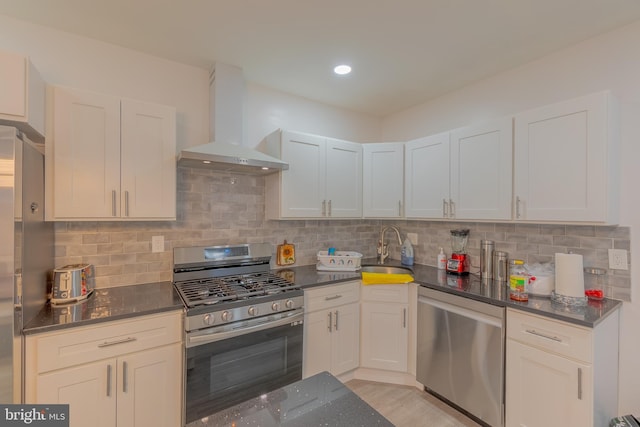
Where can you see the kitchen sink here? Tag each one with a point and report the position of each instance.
(386, 269)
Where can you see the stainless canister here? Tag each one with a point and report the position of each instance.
(500, 266)
(486, 259)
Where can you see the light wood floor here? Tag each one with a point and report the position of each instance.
(407, 406)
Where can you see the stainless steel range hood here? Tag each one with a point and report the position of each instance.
(231, 158)
(228, 150)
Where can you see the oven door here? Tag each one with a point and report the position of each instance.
(236, 365)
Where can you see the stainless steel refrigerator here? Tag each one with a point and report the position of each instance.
(26, 253)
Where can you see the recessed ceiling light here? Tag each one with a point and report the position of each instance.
(342, 69)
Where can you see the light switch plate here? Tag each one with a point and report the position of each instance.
(157, 244)
(413, 237)
(618, 259)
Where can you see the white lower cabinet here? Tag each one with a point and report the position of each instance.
(332, 329)
(88, 390)
(559, 373)
(124, 373)
(385, 327)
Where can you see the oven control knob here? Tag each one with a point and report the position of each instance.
(275, 306)
(253, 311)
(226, 316)
(289, 303)
(208, 319)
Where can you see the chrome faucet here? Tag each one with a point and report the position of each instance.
(383, 248)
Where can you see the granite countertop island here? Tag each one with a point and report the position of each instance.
(320, 400)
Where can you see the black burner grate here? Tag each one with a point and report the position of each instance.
(213, 290)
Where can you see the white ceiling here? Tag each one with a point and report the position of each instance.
(403, 52)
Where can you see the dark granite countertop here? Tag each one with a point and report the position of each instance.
(122, 302)
(107, 304)
(470, 286)
(320, 400)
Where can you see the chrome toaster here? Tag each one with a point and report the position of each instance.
(72, 283)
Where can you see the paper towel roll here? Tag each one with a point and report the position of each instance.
(569, 275)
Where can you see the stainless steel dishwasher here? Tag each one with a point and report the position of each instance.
(461, 353)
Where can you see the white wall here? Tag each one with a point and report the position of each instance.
(269, 110)
(68, 60)
(610, 61)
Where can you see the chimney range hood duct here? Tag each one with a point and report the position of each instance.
(226, 152)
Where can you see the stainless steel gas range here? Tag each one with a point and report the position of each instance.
(243, 325)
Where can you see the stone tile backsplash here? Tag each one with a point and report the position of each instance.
(217, 208)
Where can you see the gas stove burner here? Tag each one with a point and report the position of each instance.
(208, 275)
(214, 290)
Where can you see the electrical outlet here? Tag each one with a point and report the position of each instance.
(413, 237)
(157, 244)
(618, 259)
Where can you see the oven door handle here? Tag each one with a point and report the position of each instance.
(205, 337)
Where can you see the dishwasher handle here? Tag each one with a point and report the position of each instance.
(466, 312)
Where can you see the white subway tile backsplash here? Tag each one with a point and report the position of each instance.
(216, 208)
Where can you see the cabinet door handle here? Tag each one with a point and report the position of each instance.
(333, 297)
(330, 321)
(108, 380)
(329, 214)
(336, 321)
(126, 203)
(445, 208)
(452, 214)
(113, 202)
(324, 206)
(538, 334)
(125, 377)
(579, 383)
(122, 341)
(399, 207)
(404, 318)
(517, 207)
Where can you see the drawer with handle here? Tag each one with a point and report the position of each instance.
(559, 337)
(79, 345)
(331, 296)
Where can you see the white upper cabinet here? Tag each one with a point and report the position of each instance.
(383, 180)
(462, 174)
(148, 160)
(22, 92)
(301, 188)
(324, 179)
(427, 177)
(565, 162)
(110, 158)
(343, 179)
(480, 184)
